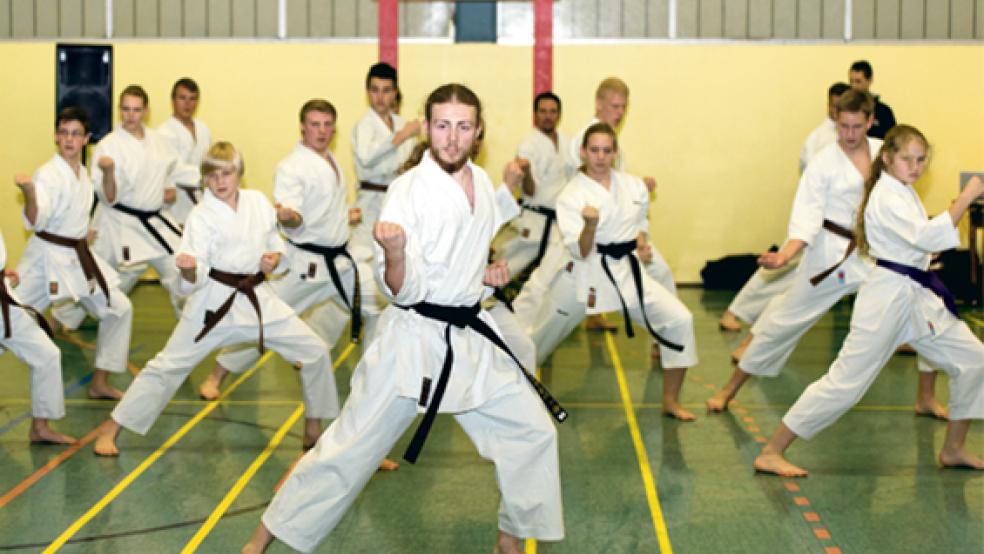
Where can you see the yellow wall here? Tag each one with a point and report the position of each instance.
(719, 125)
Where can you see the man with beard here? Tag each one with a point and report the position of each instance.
(432, 240)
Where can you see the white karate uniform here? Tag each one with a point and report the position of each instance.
(892, 309)
(830, 188)
(377, 161)
(232, 241)
(550, 170)
(52, 274)
(657, 268)
(446, 253)
(29, 343)
(191, 149)
(765, 284)
(623, 210)
(144, 169)
(308, 184)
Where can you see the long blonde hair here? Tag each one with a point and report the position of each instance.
(895, 140)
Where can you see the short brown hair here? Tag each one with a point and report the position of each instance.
(854, 101)
(318, 105)
(136, 91)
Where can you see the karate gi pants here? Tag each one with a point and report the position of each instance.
(512, 429)
(519, 251)
(867, 348)
(761, 287)
(320, 307)
(70, 315)
(156, 384)
(29, 343)
(115, 320)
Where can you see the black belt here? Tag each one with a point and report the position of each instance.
(329, 253)
(618, 250)
(190, 193)
(144, 217)
(375, 187)
(551, 217)
(6, 301)
(243, 283)
(464, 316)
(841, 232)
(89, 266)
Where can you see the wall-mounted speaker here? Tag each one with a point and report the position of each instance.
(84, 79)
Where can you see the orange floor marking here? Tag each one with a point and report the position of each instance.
(811, 516)
(791, 487)
(760, 439)
(753, 429)
(748, 419)
(801, 501)
(821, 533)
(46, 468)
(832, 550)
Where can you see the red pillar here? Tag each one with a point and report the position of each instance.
(542, 46)
(389, 31)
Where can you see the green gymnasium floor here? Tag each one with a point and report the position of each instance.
(634, 481)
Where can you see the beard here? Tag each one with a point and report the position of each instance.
(450, 167)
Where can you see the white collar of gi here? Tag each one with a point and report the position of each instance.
(382, 123)
(214, 203)
(62, 165)
(303, 148)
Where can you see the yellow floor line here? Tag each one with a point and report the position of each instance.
(233, 493)
(659, 525)
(245, 478)
(976, 321)
(149, 461)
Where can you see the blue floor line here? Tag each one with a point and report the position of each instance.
(69, 389)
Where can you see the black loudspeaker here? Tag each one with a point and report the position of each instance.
(84, 79)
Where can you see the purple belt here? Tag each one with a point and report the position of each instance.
(925, 278)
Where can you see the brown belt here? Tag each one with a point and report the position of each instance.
(841, 232)
(375, 187)
(89, 266)
(243, 283)
(6, 301)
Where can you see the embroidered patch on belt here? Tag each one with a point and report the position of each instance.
(53, 287)
(126, 253)
(425, 388)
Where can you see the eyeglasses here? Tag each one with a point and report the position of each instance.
(72, 134)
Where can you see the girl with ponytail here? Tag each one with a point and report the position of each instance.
(900, 302)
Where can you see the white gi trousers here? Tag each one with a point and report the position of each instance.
(878, 327)
(115, 320)
(515, 337)
(519, 251)
(761, 287)
(550, 311)
(70, 315)
(29, 343)
(156, 384)
(512, 429)
(320, 307)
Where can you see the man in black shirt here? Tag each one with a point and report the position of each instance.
(860, 76)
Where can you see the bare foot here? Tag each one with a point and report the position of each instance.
(106, 441)
(678, 412)
(729, 322)
(507, 544)
(598, 323)
(210, 388)
(960, 459)
(259, 542)
(931, 408)
(719, 402)
(104, 392)
(777, 465)
(42, 434)
(389, 465)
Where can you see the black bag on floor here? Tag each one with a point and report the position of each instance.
(953, 267)
(729, 272)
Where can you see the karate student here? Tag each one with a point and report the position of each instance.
(381, 142)
(135, 175)
(190, 139)
(765, 284)
(861, 75)
(602, 215)
(230, 244)
(21, 334)
(823, 216)
(900, 302)
(433, 234)
(546, 151)
(611, 103)
(57, 265)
